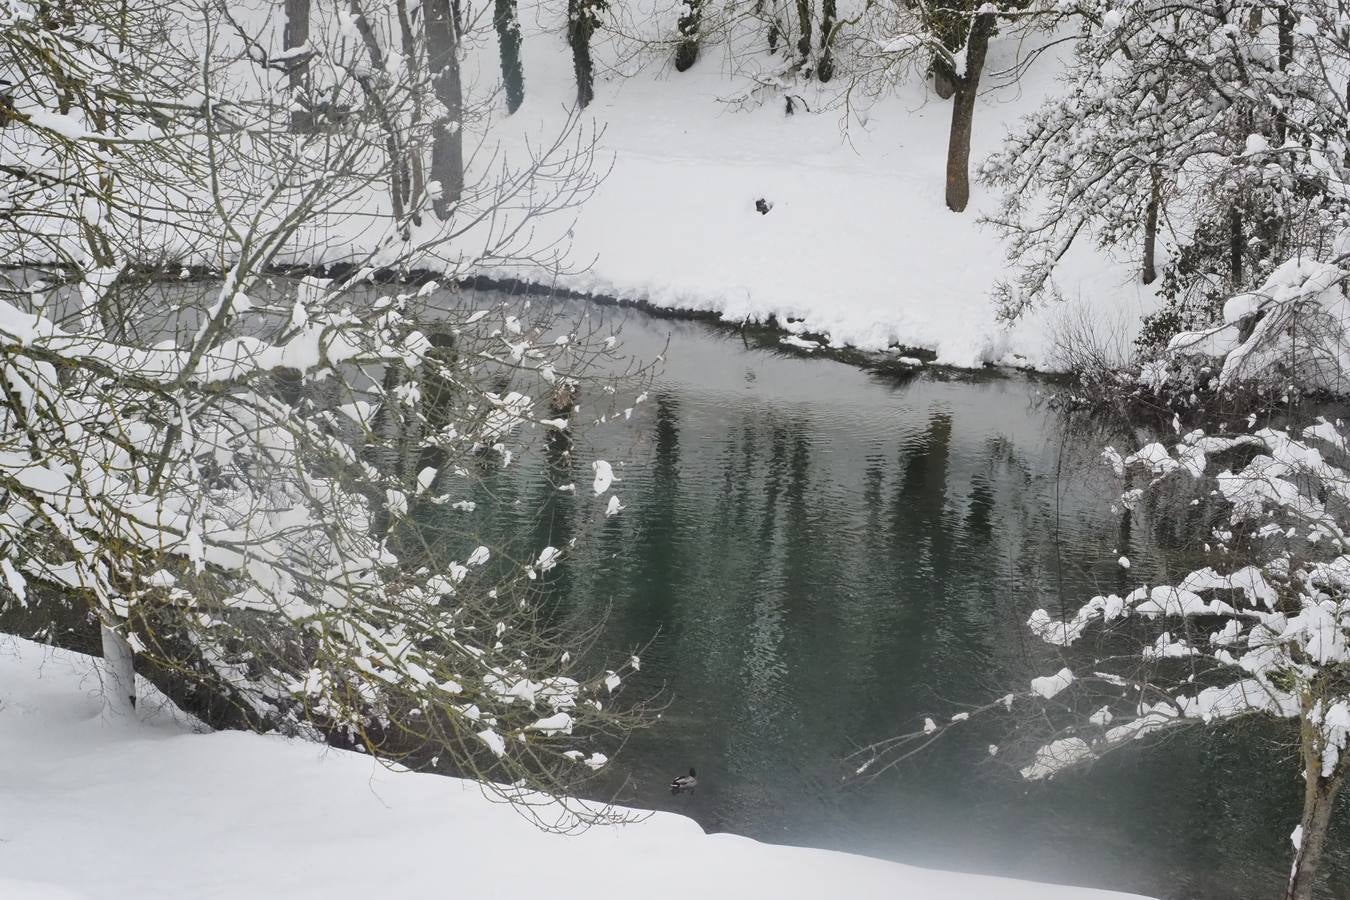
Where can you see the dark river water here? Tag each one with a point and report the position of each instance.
(820, 557)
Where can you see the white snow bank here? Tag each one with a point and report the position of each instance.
(93, 807)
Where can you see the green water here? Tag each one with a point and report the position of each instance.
(820, 557)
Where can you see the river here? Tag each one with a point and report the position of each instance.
(820, 557)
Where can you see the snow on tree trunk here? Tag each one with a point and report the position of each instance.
(506, 20)
(118, 672)
(1285, 28)
(294, 36)
(1319, 802)
(447, 141)
(963, 113)
(686, 54)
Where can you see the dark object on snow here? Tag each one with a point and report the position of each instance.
(684, 783)
(763, 206)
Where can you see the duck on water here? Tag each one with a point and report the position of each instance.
(683, 783)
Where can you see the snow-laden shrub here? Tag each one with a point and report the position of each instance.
(1292, 331)
(232, 479)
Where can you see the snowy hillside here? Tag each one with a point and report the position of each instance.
(97, 808)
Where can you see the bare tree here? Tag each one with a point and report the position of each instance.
(238, 470)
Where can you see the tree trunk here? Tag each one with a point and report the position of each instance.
(507, 22)
(1319, 802)
(1150, 272)
(963, 113)
(686, 54)
(1285, 27)
(944, 82)
(1237, 243)
(825, 68)
(294, 35)
(804, 23)
(447, 138)
(120, 686)
(580, 25)
(371, 85)
(415, 163)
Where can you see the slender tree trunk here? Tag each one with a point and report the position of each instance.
(415, 162)
(686, 54)
(804, 24)
(507, 22)
(371, 85)
(1285, 26)
(963, 113)
(447, 139)
(1237, 243)
(1319, 802)
(119, 671)
(825, 69)
(580, 25)
(295, 35)
(1150, 272)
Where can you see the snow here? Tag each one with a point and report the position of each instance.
(1049, 685)
(239, 815)
(604, 476)
(1055, 757)
(859, 246)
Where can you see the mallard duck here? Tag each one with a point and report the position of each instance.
(684, 783)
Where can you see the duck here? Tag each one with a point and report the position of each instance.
(684, 782)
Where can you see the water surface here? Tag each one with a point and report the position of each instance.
(821, 557)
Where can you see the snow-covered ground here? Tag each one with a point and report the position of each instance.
(858, 244)
(99, 807)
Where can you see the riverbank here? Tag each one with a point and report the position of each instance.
(98, 807)
(857, 249)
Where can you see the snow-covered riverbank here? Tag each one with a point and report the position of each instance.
(93, 807)
(858, 244)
